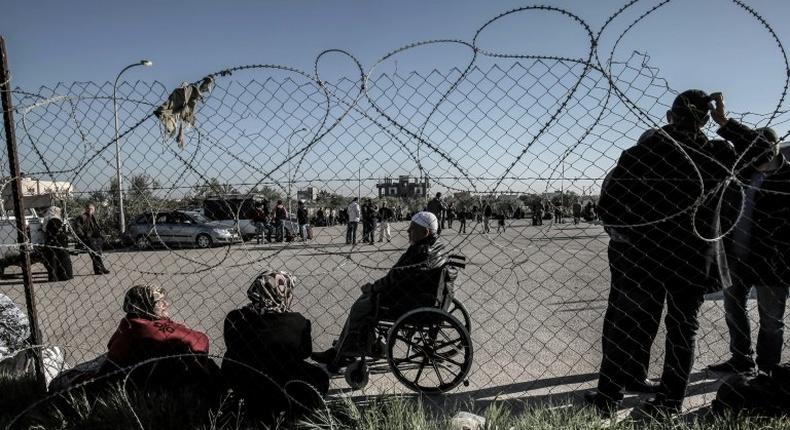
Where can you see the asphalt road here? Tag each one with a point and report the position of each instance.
(536, 295)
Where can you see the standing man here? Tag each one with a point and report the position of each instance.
(462, 215)
(537, 213)
(280, 216)
(436, 207)
(88, 231)
(353, 214)
(759, 257)
(577, 212)
(450, 215)
(302, 219)
(487, 211)
(661, 220)
(385, 217)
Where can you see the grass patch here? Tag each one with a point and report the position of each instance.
(186, 411)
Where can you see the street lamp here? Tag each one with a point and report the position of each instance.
(293, 133)
(121, 218)
(359, 179)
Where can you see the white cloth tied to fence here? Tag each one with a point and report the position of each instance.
(179, 109)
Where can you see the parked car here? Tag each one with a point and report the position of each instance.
(178, 228)
(10, 254)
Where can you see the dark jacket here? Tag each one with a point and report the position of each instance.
(414, 279)
(385, 214)
(87, 228)
(301, 215)
(274, 343)
(757, 248)
(436, 207)
(648, 200)
(56, 234)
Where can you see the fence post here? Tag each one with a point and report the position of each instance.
(19, 214)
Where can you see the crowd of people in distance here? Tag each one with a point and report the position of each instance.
(268, 344)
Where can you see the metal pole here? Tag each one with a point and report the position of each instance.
(118, 177)
(19, 214)
(293, 133)
(359, 179)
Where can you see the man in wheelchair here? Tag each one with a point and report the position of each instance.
(411, 283)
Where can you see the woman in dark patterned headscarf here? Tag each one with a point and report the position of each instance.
(275, 341)
(271, 292)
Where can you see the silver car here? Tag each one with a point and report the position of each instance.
(179, 228)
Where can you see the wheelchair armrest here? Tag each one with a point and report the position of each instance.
(455, 264)
(456, 257)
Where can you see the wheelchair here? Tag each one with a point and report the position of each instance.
(427, 348)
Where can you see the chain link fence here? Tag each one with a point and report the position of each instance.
(514, 133)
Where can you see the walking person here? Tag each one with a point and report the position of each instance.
(56, 254)
(450, 215)
(302, 220)
(577, 213)
(758, 257)
(353, 215)
(437, 207)
(89, 233)
(385, 217)
(487, 218)
(462, 215)
(660, 250)
(501, 222)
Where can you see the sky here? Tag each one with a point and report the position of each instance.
(708, 44)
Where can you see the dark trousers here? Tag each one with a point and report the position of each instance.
(357, 334)
(462, 228)
(771, 300)
(351, 232)
(95, 251)
(57, 261)
(639, 288)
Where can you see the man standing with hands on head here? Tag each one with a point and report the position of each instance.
(660, 206)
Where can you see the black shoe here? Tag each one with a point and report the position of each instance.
(324, 357)
(734, 365)
(605, 406)
(660, 407)
(648, 386)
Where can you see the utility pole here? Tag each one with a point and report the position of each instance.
(19, 214)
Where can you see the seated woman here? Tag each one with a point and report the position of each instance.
(147, 332)
(267, 345)
(56, 255)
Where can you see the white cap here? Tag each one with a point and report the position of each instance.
(427, 220)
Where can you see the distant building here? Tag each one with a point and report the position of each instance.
(405, 186)
(37, 193)
(309, 194)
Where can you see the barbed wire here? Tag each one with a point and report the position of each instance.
(581, 112)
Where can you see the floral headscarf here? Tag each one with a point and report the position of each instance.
(140, 301)
(271, 292)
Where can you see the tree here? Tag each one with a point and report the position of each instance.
(212, 187)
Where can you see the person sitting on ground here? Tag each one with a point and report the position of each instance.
(146, 332)
(405, 287)
(267, 344)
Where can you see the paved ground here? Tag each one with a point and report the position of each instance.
(536, 295)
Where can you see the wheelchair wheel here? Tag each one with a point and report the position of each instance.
(429, 350)
(459, 311)
(357, 374)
